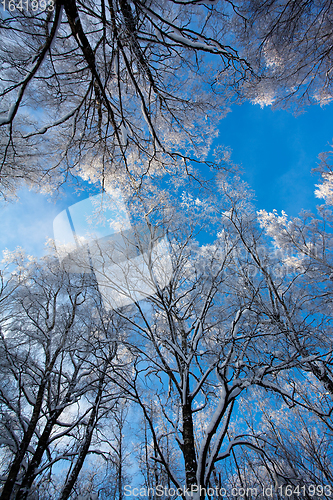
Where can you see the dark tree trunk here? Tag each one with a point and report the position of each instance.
(15, 467)
(322, 376)
(36, 459)
(189, 446)
(120, 469)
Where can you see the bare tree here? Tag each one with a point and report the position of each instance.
(289, 45)
(288, 281)
(105, 88)
(295, 444)
(219, 306)
(126, 89)
(55, 392)
(198, 343)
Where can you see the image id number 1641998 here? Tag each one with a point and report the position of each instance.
(308, 490)
(28, 5)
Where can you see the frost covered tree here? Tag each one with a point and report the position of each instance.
(289, 45)
(57, 350)
(305, 245)
(289, 279)
(128, 88)
(220, 306)
(212, 333)
(296, 440)
(98, 88)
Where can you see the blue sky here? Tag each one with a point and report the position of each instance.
(276, 150)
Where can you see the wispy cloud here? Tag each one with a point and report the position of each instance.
(27, 222)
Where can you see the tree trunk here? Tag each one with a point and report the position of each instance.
(15, 467)
(189, 447)
(36, 459)
(81, 458)
(86, 443)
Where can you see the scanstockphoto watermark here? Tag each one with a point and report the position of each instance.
(132, 260)
(166, 491)
(194, 491)
(98, 236)
(278, 262)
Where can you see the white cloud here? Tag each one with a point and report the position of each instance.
(27, 222)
